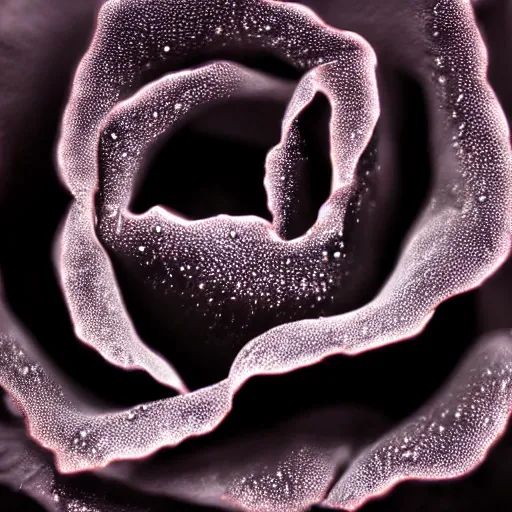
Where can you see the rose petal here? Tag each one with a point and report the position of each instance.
(447, 438)
(288, 467)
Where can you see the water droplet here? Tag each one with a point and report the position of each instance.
(167, 48)
(142, 248)
(113, 135)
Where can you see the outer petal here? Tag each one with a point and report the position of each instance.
(447, 438)
(289, 467)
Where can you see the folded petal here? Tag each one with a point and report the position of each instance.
(447, 438)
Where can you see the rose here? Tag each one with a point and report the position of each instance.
(138, 411)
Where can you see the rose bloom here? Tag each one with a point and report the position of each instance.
(255, 255)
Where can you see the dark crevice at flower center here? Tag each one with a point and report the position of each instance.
(214, 163)
(413, 166)
(257, 59)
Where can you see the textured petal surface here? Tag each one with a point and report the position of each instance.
(462, 235)
(447, 438)
(97, 308)
(288, 467)
(246, 262)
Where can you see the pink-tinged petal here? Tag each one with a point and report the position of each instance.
(26, 468)
(464, 232)
(288, 467)
(83, 437)
(447, 438)
(495, 18)
(134, 37)
(95, 303)
(157, 241)
(242, 123)
(80, 436)
(344, 68)
(238, 260)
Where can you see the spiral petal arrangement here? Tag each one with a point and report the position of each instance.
(153, 65)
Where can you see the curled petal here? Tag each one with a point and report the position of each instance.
(445, 439)
(341, 67)
(97, 308)
(463, 234)
(26, 468)
(82, 438)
